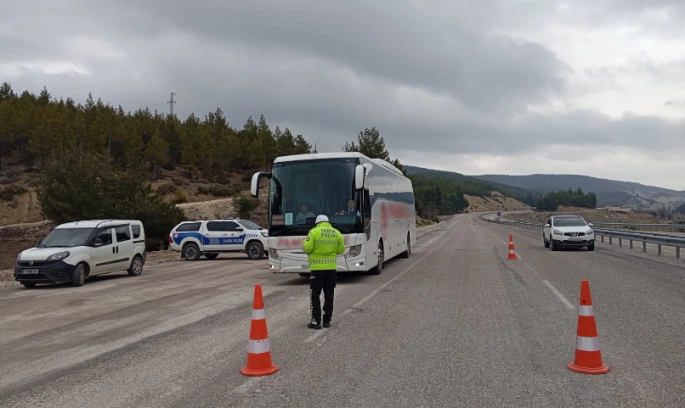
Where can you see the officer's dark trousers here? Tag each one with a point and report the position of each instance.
(321, 280)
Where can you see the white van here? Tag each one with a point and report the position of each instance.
(74, 251)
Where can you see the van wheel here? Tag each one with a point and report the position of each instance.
(191, 252)
(136, 267)
(211, 256)
(78, 277)
(255, 250)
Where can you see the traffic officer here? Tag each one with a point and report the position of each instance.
(323, 244)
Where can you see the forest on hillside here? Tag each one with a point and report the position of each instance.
(96, 160)
(569, 198)
(477, 187)
(40, 128)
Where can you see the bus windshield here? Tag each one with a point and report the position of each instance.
(301, 190)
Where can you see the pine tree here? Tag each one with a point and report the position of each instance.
(371, 144)
(157, 151)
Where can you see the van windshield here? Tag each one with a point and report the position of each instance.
(66, 238)
(301, 190)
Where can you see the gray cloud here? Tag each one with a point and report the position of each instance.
(440, 76)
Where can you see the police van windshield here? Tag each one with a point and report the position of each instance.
(302, 190)
(250, 225)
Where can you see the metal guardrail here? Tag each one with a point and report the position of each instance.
(642, 227)
(657, 239)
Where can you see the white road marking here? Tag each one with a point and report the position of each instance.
(559, 295)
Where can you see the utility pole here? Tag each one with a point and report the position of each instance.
(171, 103)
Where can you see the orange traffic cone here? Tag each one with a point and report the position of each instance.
(588, 358)
(258, 352)
(512, 254)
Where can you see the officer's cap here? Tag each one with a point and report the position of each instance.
(321, 218)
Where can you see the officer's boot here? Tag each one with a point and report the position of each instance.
(314, 325)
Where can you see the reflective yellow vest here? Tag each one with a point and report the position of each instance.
(323, 244)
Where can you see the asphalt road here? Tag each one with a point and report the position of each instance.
(456, 324)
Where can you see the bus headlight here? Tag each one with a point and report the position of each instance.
(354, 251)
(273, 254)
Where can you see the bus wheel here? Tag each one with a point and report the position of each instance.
(379, 268)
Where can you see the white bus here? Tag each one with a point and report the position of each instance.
(380, 226)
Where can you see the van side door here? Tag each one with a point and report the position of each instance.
(123, 247)
(102, 256)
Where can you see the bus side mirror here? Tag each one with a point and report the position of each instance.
(254, 186)
(359, 173)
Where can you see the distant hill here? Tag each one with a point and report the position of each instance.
(521, 194)
(609, 192)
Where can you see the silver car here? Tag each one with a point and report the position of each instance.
(568, 231)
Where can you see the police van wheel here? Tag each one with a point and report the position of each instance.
(255, 250)
(191, 252)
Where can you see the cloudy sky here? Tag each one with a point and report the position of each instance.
(594, 87)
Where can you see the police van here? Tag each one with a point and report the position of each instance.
(213, 237)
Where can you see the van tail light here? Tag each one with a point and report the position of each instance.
(171, 240)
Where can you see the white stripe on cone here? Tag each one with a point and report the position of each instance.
(258, 314)
(587, 343)
(585, 311)
(258, 346)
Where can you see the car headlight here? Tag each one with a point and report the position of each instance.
(264, 234)
(58, 256)
(19, 257)
(557, 232)
(590, 232)
(354, 251)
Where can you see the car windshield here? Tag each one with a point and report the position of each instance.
(66, 237)
(250, 225)
(302, 190)
(569, 222)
